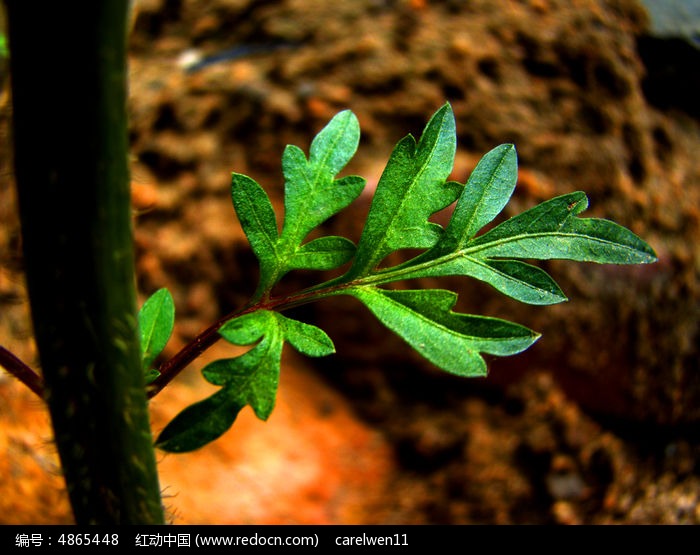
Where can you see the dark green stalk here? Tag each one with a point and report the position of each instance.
(68, 72)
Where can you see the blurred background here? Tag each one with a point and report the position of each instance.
(597, 423)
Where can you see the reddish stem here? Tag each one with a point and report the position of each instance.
(172, 367)
(22, 372)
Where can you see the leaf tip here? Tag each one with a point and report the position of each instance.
(651, 256)
(446, 107)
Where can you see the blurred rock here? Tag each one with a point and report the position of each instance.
(670, 50)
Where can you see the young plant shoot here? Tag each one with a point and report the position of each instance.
(414, 185)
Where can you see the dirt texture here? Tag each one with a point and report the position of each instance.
(595, 424)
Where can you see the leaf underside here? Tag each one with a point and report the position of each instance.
(414, 185)
(450, 340)
(249, 379)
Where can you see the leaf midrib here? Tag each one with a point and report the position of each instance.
(378, 251)
(389, 274)
(514, 238)
(271, 243)
(482, 200)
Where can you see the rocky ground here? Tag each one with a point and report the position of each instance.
(595, 424)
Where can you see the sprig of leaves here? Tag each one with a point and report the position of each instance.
(414, 186)
(312, 195)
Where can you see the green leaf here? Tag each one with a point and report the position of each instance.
(200, 423)
(305, 338)
(156, 320)
(552, 230)
(258, 221)
(451, 341)
(254, 376)
(411, 189)
(249, 379)
(248, 328)
(311, 192)
(520, 281)
(312, 195)
(233, 370)
(486, 193)
(150, 376)
(324, 253)
(336, 144)
(4, 49)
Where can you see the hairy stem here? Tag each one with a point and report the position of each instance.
(71, 167)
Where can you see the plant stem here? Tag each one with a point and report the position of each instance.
(68, 73)
(22, 372)
(173, 366)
